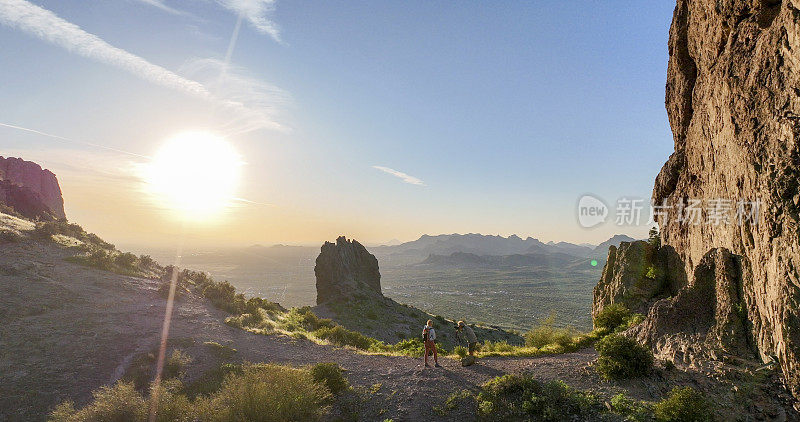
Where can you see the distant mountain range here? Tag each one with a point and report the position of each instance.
(479, 249)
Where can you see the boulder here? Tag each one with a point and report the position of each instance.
(36, 182)
(346, 270)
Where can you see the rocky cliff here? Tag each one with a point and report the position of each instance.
(29, 189)
(345, 270)
(733, 101)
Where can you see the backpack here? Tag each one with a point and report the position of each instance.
(425, 334)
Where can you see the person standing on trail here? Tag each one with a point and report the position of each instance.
(465, 333)
(429, 339)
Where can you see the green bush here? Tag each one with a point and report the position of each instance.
(306, 319)
(521, 397)
(461, 351)
(120, 402)
(341, 336)
(331, 375)
(546, 334)
(633, 410)
(211, 380)
(260, 392)
(497, 346)
(266, 392)
(175, 365)
(410, 347)
(683, 405)
(622, 358)
(611, 317)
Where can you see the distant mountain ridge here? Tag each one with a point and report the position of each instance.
(443, 247)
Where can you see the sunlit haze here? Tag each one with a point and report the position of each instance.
(377, 121)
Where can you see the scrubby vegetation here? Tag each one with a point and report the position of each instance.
(522, 397)
(220, 351)
(257, 392)
(616, 317)
(622, 358)
(683, 404)
(331, 375)
(546, 334)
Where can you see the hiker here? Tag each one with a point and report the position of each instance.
(465, 332)
(429, 339)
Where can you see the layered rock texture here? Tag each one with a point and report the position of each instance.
(636, 275)
(733, 101)
(30, 190)
(346, 270)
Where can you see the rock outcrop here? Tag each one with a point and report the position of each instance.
(733, 101)
(30, 190)
(704, 321)
(637, 274)
(346, 270)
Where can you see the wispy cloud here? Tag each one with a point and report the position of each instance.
(399, 174)
(256, 12)
(237, 86)
(47, 26)
(161, 5)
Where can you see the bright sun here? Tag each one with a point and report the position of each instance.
(195, 174)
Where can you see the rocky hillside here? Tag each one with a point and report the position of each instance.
(30, 190)
(349, 292)
(733, 100)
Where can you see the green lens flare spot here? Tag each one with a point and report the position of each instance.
(593, 263)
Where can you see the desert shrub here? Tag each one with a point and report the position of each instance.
(683, 405)
(127, 260)
(211, 381)
(611, 317)
(331, 375)
(141, 370)
(521, 397)
(223, 295)
(121, 402)
(632, 409)
(410, 346)
(341, 336)
(546, 334)
(220, 351)
(147, 261)
(461, 351)
(306, 319)
(497, 346)
(172, 405)
(622, 358)
(266, 392)
(175, 365)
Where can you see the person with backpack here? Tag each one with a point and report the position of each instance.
(466, 334)
(429, 339)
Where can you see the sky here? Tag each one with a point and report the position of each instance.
(374, 120)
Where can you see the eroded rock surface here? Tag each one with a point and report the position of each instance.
(706, 320)
(636, 274)
(29, 189)
(346, 270)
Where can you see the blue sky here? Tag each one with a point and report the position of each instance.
(506, 113)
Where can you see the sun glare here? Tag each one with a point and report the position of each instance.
(195, 174)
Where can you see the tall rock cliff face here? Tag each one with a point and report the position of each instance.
(29, 189)
(733, 101)
(346, 270)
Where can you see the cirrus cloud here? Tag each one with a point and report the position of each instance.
(399, 174)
